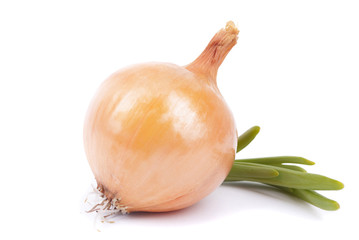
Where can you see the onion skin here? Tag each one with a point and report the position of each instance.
(160, 137)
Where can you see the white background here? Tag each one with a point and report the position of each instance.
(294, 72)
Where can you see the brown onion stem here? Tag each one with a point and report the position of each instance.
(216, 51)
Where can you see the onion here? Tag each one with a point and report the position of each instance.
(160, 137)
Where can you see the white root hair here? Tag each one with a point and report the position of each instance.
(104, 206)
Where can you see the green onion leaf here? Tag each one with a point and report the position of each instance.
(242, 170)
(313, 198)
(277, 160)
(286, 178)
(247, 137)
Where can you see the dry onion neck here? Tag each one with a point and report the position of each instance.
(216, 51)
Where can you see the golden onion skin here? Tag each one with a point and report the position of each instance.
(160, 137)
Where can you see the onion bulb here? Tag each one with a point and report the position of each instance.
(160, 137)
